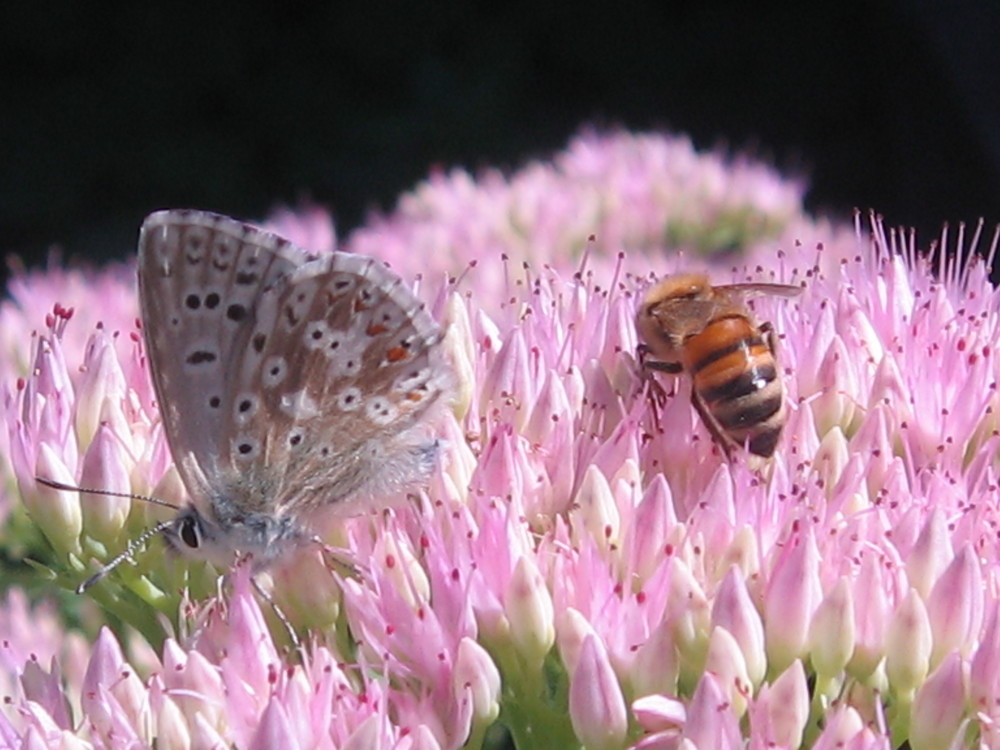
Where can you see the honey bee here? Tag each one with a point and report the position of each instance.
(686, 324)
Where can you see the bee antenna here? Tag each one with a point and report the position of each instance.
(91, 491)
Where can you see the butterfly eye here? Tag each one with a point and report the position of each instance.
(189, 533)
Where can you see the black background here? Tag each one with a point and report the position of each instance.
(108, 111)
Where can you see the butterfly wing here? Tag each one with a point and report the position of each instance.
(285, 381)
(201, 277)
(343, 366)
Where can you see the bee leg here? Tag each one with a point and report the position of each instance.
(672, 367)
(770, 336)
(655, 393)
(723, 440)
(645, 363)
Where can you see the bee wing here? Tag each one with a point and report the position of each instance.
(756, 290)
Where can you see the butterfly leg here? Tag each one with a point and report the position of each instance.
(342, 561)
(247, 559)
(282, 617)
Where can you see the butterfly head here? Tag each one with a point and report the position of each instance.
(266, 538)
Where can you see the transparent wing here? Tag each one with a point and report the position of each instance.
(756, 290)
(201, 277)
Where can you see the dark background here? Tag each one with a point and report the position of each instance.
(108, 111)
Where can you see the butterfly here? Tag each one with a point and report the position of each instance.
(287, 383)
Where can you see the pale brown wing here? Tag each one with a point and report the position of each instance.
(201, 276)
(283, 380)
(329, 399)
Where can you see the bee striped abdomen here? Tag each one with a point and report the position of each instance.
(735, 377)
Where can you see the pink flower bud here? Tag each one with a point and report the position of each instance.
(102, 389)
(690, 619)
(475, 671)
(711, 722)
(306, 592)
(838, 380)
(204, 734)
(45, 690)
(734, 610)
(105, 468)
(889, 390)
(931, 554)
(831, 632)
(549, 412)
(250, 651)
(786, 702)
(528, 606)
(572, 629)
(791, 598)
(657, 713)
(596, 705)
(955, 605)
(908, 645)
(870, 620)
(726, 662)
(171, 725)
(647, 533)
(832, 458)
(984, 672)
(194, 683)
(57, 512)
(420, 738)
(656, 665)
(597, 508)
(113, 697)
(509, 373)
(275, 730)
(398, 567)
(462, 353)
(742, 552)
(939, 706)
(843, 727)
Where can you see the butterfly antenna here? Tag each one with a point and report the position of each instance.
(125, 554)
(111, 493)
(133, 544)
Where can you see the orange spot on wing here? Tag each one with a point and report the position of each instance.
(396, 354)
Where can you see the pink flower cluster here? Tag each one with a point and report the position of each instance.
(648, 194)
(587, 568)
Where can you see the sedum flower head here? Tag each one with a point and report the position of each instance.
(587, 568)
